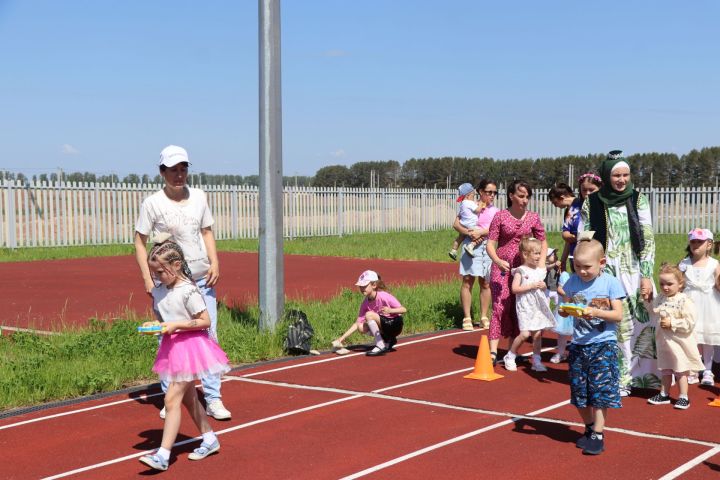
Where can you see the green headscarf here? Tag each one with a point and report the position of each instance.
(607, 194)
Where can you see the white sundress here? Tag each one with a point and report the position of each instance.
(533, 308)
(700, 287)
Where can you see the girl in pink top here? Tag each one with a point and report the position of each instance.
(380, 316)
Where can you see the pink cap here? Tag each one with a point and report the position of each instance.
(700, 234)
(366, 277)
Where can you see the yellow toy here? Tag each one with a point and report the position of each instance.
(573, 309)
(151, 328)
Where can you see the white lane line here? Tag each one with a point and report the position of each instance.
(82, 410)
(691, 464)
(530, 416)
(87, 409)
(341, 357)
(445, 443)
(218, 432)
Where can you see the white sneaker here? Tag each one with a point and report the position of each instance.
(469, 249)
(625, 390)
(693, 379)
(557, 358)
(217, 410)
(162, 413)
(538, 367)
(708, 378)
(509, 362)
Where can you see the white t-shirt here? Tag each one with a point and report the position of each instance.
(183, 220)
(179, 303)
(467, 215)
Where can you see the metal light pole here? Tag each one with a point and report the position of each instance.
(271, 263)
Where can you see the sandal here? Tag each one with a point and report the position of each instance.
(467, 324)
(493, 357)
(485, 322)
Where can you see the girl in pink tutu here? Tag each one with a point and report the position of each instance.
(186, 351)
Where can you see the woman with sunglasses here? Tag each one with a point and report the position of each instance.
(478, 265)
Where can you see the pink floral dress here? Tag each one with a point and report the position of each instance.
(507, 231)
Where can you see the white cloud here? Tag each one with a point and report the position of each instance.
(338, 153)
(68, 149)
(335, 53)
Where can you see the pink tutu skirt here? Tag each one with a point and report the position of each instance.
(187, 356)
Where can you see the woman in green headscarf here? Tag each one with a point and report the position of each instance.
(620, 217)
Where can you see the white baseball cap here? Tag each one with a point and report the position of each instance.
(366, 277)
(172, 155)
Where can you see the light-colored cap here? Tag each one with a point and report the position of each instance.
(700, 234)
(551, 251)
(463, 190)
(172, 155)
(366, 277)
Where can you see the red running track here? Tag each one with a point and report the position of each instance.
(46, 295)
(407, 415)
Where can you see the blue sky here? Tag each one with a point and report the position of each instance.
(103, 85)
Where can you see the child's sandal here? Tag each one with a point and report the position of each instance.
(467, 324)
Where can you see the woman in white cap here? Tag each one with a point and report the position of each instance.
(183, 213)
(620, 217)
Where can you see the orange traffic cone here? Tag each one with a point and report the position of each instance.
(483, 363)
(716, 402)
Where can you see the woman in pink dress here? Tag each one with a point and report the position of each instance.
(507, 228)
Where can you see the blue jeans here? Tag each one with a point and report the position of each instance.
(211, 384)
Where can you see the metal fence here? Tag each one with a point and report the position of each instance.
(70, 213)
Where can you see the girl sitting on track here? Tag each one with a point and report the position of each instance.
(380, 316)
(186, 351)
(533, 309)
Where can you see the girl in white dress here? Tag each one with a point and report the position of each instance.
(701, 277)
(533, 308)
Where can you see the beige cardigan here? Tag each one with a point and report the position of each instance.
(676, 347)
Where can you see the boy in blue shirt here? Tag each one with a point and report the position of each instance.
(593, 359)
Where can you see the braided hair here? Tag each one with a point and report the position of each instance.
(167, 252)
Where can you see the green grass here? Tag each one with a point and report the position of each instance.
(108, 356)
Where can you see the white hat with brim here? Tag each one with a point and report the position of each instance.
(172, 155)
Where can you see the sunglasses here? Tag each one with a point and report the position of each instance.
(490, 192)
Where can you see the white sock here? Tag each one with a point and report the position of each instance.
(708, 352)
(683, 396)
(209, 437)
(163, 453)
(375, 330)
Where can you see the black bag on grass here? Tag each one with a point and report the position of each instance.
(300, 333)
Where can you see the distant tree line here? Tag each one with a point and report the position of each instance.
(696, 168)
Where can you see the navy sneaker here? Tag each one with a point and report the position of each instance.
(682, 404)
(594, 445)
(582, 441)
(659, 399)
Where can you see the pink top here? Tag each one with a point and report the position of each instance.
(486, 215)
(382, 299)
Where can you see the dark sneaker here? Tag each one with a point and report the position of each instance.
(659, 399)
(582, 441)
(594, 445)
(682, 404)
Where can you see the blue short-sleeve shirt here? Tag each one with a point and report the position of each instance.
(597, 293)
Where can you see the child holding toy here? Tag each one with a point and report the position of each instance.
(533, 309)
(593, 356)
(186, 351)
(677, 352)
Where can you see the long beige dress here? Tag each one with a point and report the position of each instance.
(676, 347)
